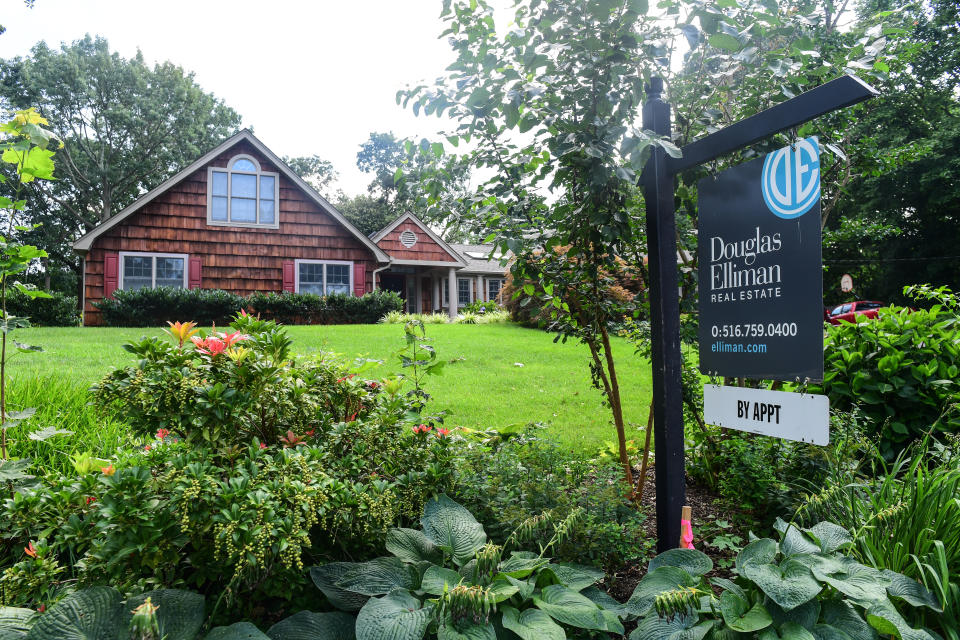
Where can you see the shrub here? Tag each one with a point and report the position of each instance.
(518, 476)
(901, 369)
(151, 307)
(448, 579)
(802, 587)
(59, 310)
(479, 307)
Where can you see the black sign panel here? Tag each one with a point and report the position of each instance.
(760, 270)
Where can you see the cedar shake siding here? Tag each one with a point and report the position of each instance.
(426, 248)
(237, 259)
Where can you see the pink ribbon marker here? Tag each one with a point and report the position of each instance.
(686, 534)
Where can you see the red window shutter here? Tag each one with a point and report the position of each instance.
(196, 272)
(288, 281)
(359, 278)
(111, 273)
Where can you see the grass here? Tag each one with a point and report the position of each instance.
(506, 375)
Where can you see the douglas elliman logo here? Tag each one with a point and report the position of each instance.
(791, 179)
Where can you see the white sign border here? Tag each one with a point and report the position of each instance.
(807, 415)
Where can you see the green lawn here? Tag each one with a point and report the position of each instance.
(488, 388)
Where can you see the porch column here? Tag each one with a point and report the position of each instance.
(435, 301)
(481, 294)
(454, 294)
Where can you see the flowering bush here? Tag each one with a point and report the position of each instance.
(229, 387)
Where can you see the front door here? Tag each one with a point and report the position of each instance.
(396, 282)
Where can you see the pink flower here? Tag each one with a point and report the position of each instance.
(263, 446)
(421, 428)
(162, 433)
(146, 448)
(310, 432)
(210, 346)
(90, 499)
(443, 432)
(236, 336)
(30, 550)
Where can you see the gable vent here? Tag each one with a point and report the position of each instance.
(408, 239)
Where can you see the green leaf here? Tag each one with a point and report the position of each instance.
(604, 600)
(724, 41)
(577, 577)
(90, 614)
(828, 632)
(325, 578)
(379, 576)
(694, 562)
(521, 564)
(679, 627)
(180, 614)
(397, 616)
(410, 545)
(789, 584)
(48, 432)
(830, 537)
(26, 348)
(439, 580)
(793, 540)
(531, 624)
(855, 580)
(237, 631)
(448, 631)
(843, 615)
(569, 607)
(503, 587)
(13, 470)
(883, 617)
(806, 615)
(740, 616)
(452, 528)
(15, 622)
(911, 591)
(307, 625)
(654, 583)
(789, 631)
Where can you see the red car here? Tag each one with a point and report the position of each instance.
(850, 310)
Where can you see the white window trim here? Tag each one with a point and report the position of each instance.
(502, 282)
(229, 172)
(296, 275)
(445, 294)
(147, 254)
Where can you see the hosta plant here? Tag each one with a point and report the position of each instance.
(167, 614)
(800, 588)
(447, 579)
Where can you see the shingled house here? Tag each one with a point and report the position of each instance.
(241, 220)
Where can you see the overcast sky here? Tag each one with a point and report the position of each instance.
(310, 77)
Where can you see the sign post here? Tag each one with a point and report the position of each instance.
(658, 182)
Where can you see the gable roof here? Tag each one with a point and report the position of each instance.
(86, 241)
(482, 258)
(379, 235)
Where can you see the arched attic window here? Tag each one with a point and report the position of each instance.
(242, 194)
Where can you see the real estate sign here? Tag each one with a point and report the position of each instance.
(760, 283)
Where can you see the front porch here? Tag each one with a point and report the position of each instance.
(426, 288)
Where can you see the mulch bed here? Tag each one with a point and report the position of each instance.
(706, 508)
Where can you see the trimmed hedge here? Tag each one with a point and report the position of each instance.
(60, 310)
(152, 307)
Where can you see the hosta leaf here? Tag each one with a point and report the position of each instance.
(806, 615)
(307, 625)
(452, 528)
(411, 545)
(694, 562)
(379, 576)
(15, 622)
(326, 577)
(679, 627)
(828, 632)
(521, 564)
(436, 578)
(524, 588)
(237, 631)
(831, 537)
(180, 614)
(532, 624)
(762, 551)
(577, 577)
(787, 631)
(794, 541)
(910, 590)
(789, 584)
(48, 432)
(396, 616)
(740, 616)
(883, 617)
(655, 583)
(842, 615)
(569, 607)
(855, 581)
(729, 585)
(501, 588)
(448, 631)
(90, 614)
(604, 600)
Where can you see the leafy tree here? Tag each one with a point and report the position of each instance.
(316, 172)
(125, 126)
(367, 213)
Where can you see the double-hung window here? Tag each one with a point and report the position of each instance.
(493, 288)
(152, 270)
(464, 292)
(242, 194)
(324, 277)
